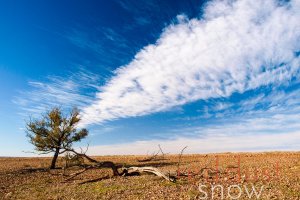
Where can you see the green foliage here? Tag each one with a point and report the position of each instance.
(54, 131)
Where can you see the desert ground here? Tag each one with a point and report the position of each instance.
(276, 175)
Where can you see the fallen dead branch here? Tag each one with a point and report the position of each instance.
(125, 171)
(151, 170)
(77, 173)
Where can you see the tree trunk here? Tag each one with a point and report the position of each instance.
(54, 159)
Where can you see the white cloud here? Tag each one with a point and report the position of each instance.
(280, 132)
(209, 144)
(235, 47)
(59, 91)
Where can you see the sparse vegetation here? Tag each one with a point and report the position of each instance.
(27, 178)
(55, 132)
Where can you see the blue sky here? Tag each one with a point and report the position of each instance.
(213, 75)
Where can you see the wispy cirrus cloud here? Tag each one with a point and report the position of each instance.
(278, 132)
(140, 10)
(275, 128)
(236, 46)
(106, 45)
(75, 89)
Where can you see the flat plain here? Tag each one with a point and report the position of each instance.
(273, 175)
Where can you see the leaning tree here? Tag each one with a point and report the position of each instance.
(55, 132)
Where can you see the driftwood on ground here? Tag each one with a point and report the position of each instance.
(151, 170)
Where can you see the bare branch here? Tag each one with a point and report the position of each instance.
(153, 157)
(163, 154)
(151, 170)
(179, 160)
